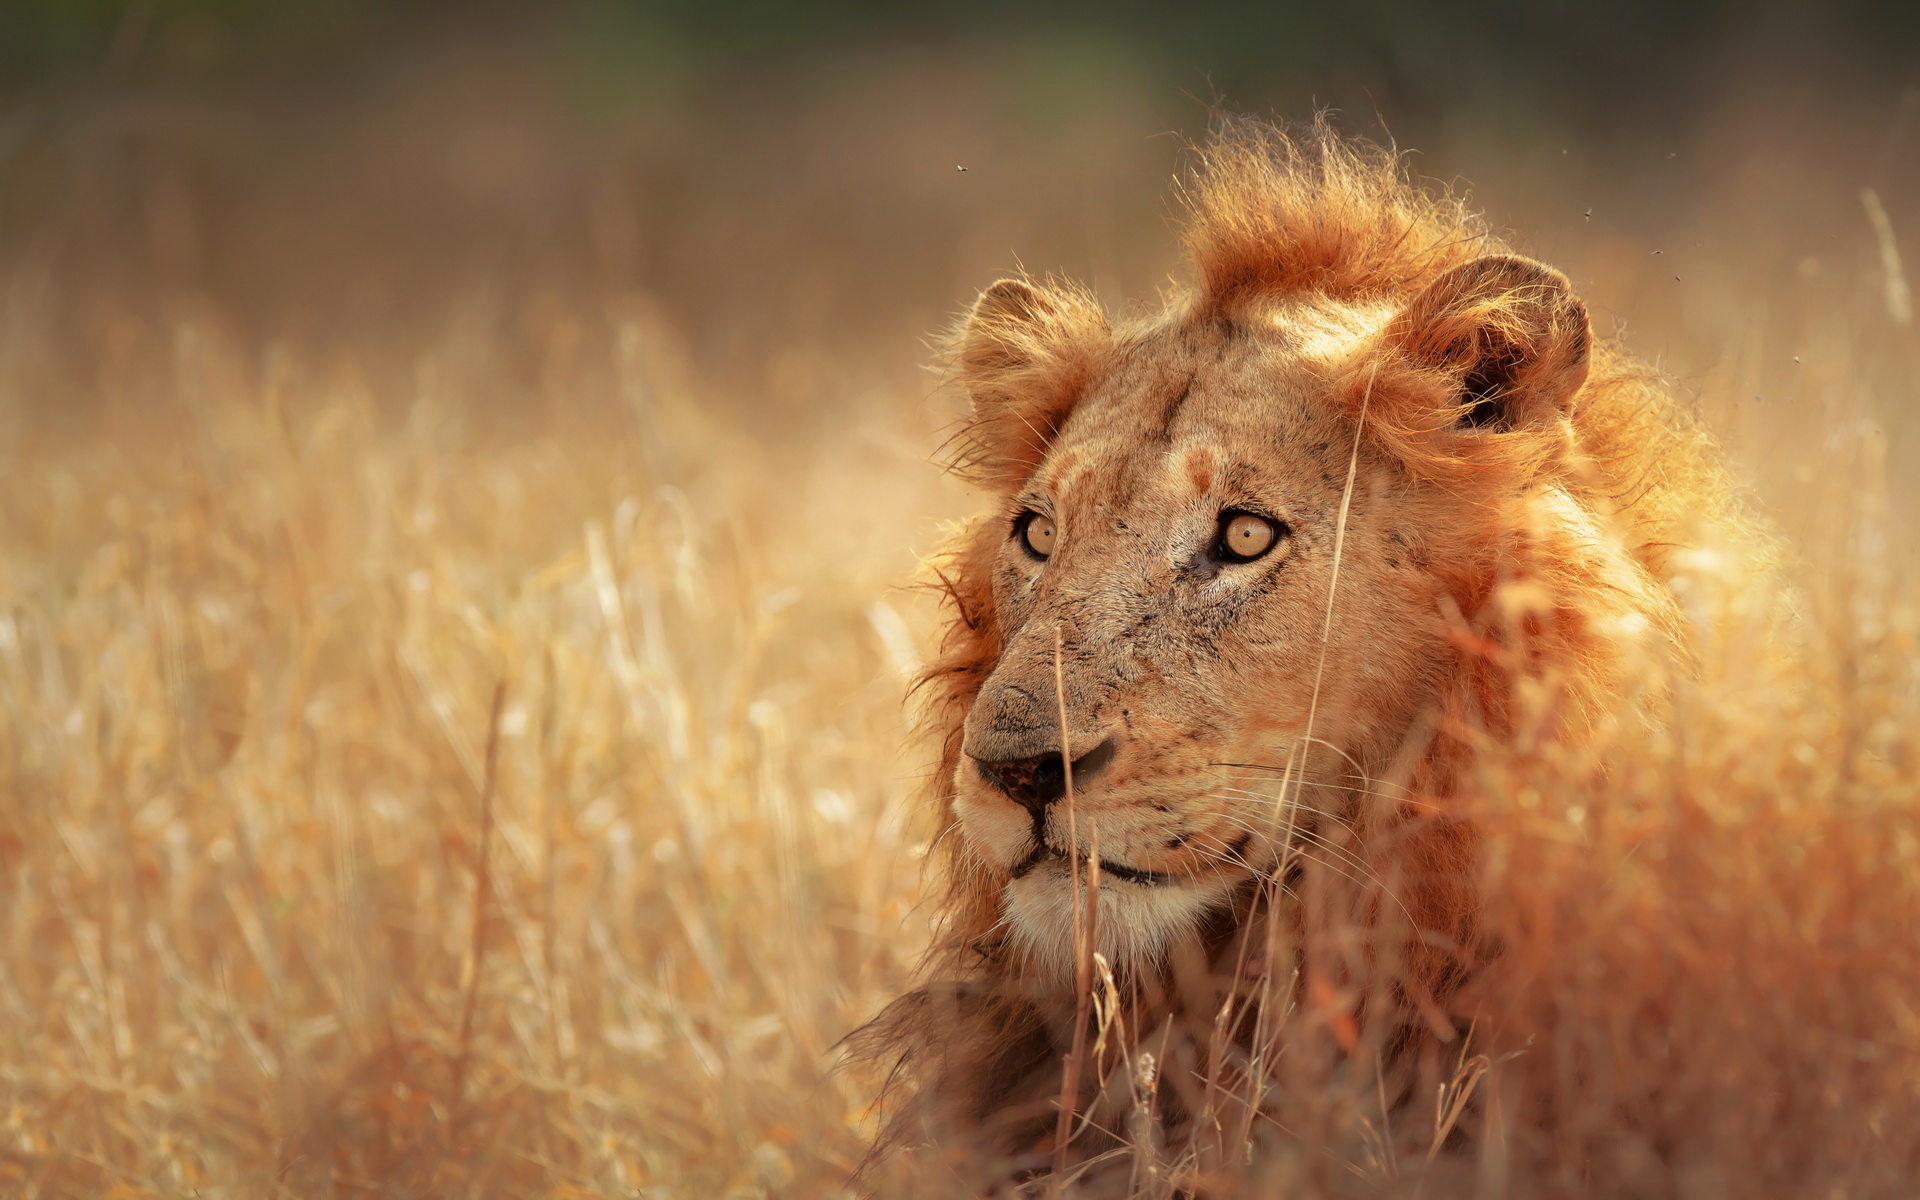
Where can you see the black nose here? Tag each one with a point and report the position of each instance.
(1037, 782)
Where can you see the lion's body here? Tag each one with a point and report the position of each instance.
(1477, 508)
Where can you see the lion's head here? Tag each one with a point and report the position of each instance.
(1367, 495)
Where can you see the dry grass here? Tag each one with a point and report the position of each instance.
(257, 604)
(251, 640)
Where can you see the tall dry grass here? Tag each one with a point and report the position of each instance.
(293, 906)
(291, 911)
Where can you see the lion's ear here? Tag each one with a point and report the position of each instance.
(1025, 355)
(1509, 337)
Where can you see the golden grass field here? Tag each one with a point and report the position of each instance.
(472, 758)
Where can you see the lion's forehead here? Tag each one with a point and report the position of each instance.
(1175, 428)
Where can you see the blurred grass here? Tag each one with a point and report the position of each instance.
(332, 403)
(250, 641)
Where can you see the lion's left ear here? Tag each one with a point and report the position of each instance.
(1508, 337)
(1024, 354)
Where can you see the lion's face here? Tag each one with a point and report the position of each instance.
(1176, 539)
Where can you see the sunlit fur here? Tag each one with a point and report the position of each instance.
(1500, 583)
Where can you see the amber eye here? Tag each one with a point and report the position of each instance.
(1245, 536)
(1038, 533)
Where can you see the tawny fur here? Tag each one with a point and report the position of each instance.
(1520, 488)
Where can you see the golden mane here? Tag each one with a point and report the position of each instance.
(1273, 212)
(1274, 215)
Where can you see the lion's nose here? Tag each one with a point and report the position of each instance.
(1037, 782)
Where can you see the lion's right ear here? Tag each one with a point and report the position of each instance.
(1025, 355)
(1507, 335)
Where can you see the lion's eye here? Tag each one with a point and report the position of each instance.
(1038, 533)
(1246, 536)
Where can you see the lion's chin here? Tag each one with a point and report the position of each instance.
(1138, 923)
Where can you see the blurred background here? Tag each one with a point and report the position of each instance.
(460, 466)
(781, 185)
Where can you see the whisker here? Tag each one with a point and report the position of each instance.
(934, 846)
(1281, 770)
(1226, 791)
(1319, 840)
(1358, 776)
(1362, 873)
(1268, 798)
(1351, 781)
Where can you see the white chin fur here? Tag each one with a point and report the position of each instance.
(1137, 923)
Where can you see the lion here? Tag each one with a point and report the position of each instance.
(1265, 572)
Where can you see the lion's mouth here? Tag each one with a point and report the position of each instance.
(1043, 854)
